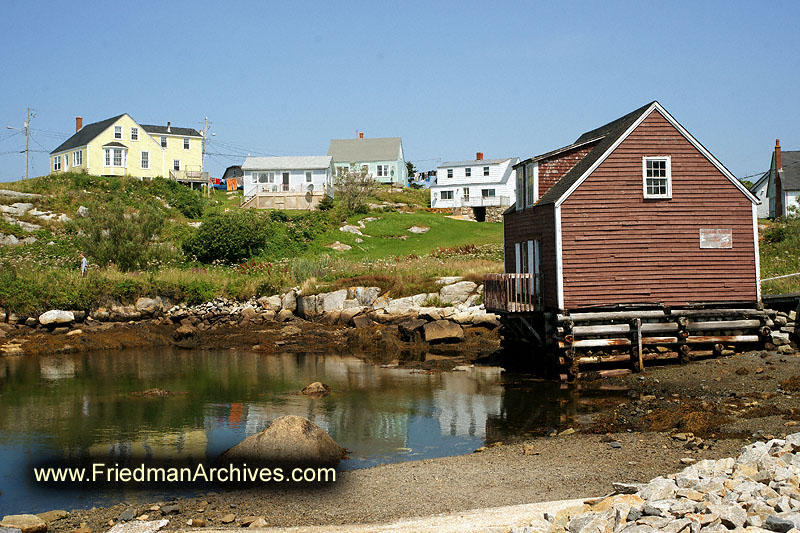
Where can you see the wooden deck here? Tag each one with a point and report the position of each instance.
(512, 293)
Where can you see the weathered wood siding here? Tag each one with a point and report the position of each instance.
(533, 223)
(620, 248)
(553, 169)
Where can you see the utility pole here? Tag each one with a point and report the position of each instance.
(27, 138)
(203, 160)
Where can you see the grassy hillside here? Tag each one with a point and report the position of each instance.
(274, 250)
(780, 255)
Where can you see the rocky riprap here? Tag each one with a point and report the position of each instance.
(757, 491)
(411, 318)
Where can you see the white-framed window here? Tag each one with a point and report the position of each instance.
(447, 195)
(383, 171)
(485, 171)
(118, 132)
(466, 194)
(487, 193)
(520, 187)
(657, 177)
(265, 177)
(134, 134)
(77, 158)
(529, 185)
(163, 141)
(145, 159)
(186, 143)
(176, 164)
(254, 177)
(114, 157)
(57, 162)
(308, 176)
(449, 174)
(468, 172)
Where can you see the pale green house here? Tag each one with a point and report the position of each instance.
(383, 157)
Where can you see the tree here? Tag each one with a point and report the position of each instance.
(412, 170)
(354, 186)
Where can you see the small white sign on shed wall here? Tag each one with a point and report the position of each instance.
(716, 238)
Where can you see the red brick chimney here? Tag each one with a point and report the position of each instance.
(78, 124)
(360, 134)
(778, 185)
(479, 156)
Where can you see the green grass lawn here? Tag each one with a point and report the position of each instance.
(382, 237)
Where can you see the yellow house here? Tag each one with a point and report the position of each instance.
(119, 146)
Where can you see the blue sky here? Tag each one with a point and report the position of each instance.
(450, 78)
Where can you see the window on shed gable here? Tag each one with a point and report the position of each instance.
(657, 177)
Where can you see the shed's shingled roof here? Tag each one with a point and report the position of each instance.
(376, 149)
(608, 135)
(86, 134)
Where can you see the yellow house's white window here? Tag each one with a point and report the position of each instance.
(134, 134)
(163, 141)
(145, 160)
(57, 162)
(185, 143)
(176, 164)
(118, 132)
(77, 158)
(115, 157)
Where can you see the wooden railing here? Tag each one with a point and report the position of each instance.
(513, 293)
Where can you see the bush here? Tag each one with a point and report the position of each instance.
(326, 204)
(114, 236)
(232, 237)
(190, 203)
(278, 216)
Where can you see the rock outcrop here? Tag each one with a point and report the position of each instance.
(288, 440)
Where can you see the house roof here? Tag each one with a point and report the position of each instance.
(173, 130)
(475, 162)
(790, 176)
(375, 149)
(760, 181)
(557, 151)
(308, 162)
(607, 138)
(608, 135)
(86, 134)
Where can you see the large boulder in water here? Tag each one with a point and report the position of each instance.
(288, 440)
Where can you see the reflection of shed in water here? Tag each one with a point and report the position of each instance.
(467, 400)
(56, 367)
(532, 407)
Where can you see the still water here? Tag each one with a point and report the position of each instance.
(66, 406)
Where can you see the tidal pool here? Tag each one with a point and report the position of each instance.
(84, 405)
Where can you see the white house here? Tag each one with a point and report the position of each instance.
(287, 182)
(476, 184)
(759, 190)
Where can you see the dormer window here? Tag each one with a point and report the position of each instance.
(657, 177)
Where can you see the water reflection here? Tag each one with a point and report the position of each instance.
(83, 405)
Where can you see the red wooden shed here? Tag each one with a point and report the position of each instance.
(634, 238)
(636, 211)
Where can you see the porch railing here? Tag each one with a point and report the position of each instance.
(512, 293)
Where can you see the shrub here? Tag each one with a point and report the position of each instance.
(112, 235)
(232, 237)
(326, 204)
(278, 216)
